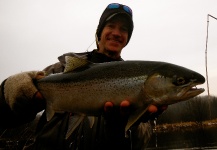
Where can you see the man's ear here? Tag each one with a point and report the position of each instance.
(97, 40)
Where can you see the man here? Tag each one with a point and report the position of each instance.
(20, 100)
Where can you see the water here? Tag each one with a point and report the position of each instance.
(193, 139)
(200, 138)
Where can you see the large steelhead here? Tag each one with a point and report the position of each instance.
(84, 87)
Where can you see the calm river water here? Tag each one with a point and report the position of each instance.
(198, 139)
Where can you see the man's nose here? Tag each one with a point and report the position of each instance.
(116, 32)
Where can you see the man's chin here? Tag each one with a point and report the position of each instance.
(114, 47)
(114, 53)
(113, 50)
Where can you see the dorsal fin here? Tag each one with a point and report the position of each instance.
(73, 63)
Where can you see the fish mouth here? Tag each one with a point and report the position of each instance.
(190, 90)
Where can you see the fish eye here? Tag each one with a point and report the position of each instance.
(180, 80)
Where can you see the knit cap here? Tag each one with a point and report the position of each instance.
(112, 10)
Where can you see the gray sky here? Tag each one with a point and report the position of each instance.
(33, 33)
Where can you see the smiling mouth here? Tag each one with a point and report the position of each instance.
(114, 40)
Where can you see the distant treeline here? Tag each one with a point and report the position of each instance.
(200, 108)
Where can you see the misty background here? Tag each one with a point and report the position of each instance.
(34, 33)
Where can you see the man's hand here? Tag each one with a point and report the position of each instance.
(21, 94)
(153, 113)
(116, 118)
(125, 108)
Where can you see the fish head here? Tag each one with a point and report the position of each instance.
(172, 84)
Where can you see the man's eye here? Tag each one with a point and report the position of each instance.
(110, 25)
(124, 29)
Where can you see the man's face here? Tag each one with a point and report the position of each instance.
(114, 36)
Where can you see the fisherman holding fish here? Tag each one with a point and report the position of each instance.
(20, 100)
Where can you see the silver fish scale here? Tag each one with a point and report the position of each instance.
(87, 97)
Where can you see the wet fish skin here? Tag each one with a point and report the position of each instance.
(87, 88)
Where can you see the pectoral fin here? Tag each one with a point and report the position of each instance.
(74, 121)
(134, 117)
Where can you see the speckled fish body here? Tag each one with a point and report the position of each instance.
(86, 89)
